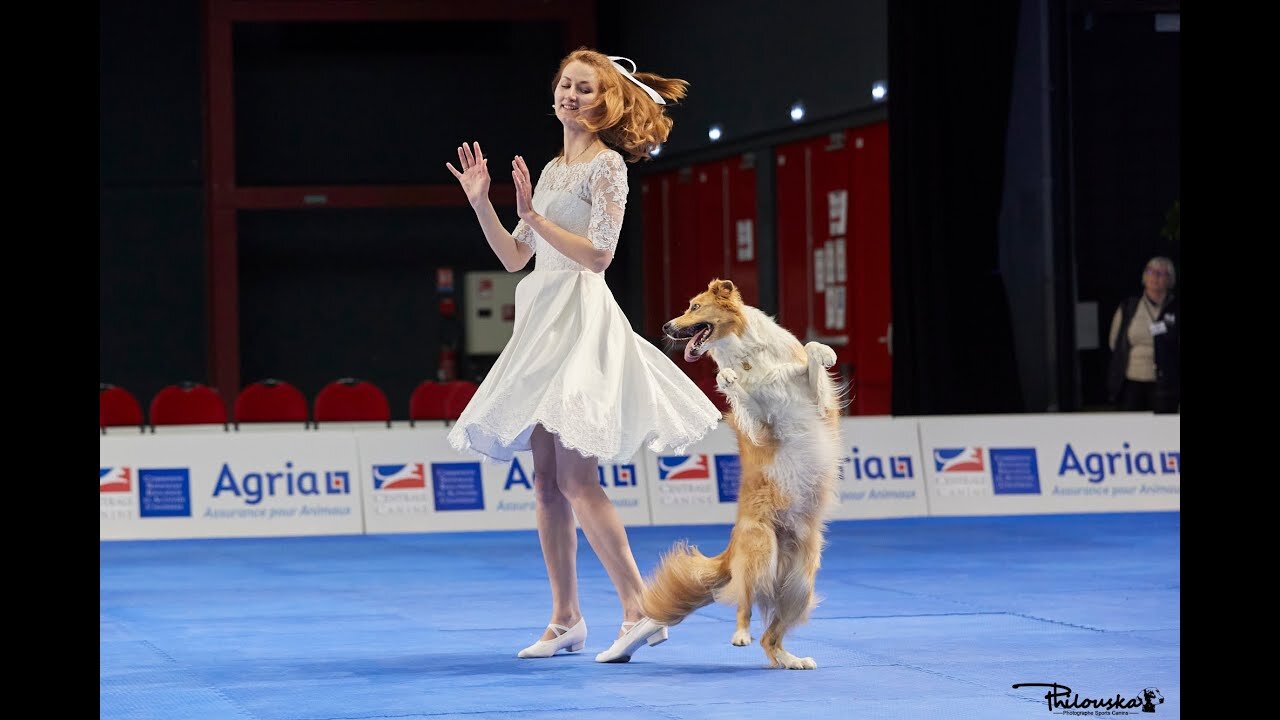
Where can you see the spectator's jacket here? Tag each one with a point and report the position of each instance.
(1167, 349)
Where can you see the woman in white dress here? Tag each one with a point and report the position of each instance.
(575, 385)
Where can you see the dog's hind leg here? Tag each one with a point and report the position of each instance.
(742, 636)
(795, 599)
(753, 562)
(771, 641)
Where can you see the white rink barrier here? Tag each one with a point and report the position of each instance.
(1044, 464)
(881, 473)
(207, 485)
(698, 486)
(413, 481)
(378, 480)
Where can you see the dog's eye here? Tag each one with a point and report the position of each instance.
(694, 306)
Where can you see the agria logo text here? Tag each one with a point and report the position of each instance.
(1098, 466)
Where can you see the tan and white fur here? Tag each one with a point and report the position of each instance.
(784, 407)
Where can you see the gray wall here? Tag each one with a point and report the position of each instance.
(747, 61)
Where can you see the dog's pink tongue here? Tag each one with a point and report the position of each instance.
(688, 349)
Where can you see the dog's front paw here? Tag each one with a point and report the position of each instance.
(725, 378)
(791, 662)
(741, 638)
(821, 354)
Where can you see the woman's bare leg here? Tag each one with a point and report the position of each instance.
(579, 481)
(556, 532)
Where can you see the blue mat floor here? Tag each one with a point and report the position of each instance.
(920, 618)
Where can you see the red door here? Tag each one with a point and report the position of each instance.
(740, 224)
(871, 301)
(833, 254)
(724, 235)
(657, 269)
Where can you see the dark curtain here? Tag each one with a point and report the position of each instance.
(950, 75)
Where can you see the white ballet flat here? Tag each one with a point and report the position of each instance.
(640, 632)
(573, 639)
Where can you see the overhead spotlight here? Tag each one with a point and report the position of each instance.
(656, 151)
(879, 90)
(797, 111)
(714, 133)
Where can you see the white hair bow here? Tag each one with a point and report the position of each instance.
(652, 93)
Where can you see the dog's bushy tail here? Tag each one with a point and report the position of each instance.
(684, 581)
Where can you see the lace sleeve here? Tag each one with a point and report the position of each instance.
(524, 234)
(608, 184)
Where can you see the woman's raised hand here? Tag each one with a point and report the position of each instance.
(524, 187)
(474, 177)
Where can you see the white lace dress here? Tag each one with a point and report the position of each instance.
(573, 362)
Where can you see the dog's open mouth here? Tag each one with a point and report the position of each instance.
(698, 335)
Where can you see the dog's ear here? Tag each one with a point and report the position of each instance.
(722, 288)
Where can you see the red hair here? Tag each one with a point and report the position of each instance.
(624, 116)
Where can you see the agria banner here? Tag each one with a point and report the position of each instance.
(1039, 464)
(318, 482)
(228, 485)
(414, 481)
(698, 485)
(880, 475)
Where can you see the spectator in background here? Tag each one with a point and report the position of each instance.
(1145, 371)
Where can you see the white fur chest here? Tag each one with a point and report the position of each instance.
(805, 467)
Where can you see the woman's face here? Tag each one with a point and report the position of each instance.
(576, 87)
(1156, 279)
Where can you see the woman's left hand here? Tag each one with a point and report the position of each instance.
(524, 188)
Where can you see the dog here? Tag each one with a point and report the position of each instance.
(784, 408)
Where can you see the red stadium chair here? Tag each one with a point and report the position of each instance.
(118, 408)
(460, 393)
(352, 401)
(428, 402)
(191, 405)
(271, 404)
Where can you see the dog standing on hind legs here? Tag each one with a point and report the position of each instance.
(784, 408)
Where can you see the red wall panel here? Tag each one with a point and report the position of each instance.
(813, 247)
(676, 259)
(832, 208)
(711, 237)
(832, 215)
(708, 243)
(791, 195)
(742, 227)
(682, 250)
(653, 208)
(830, 202)
(871, 304)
